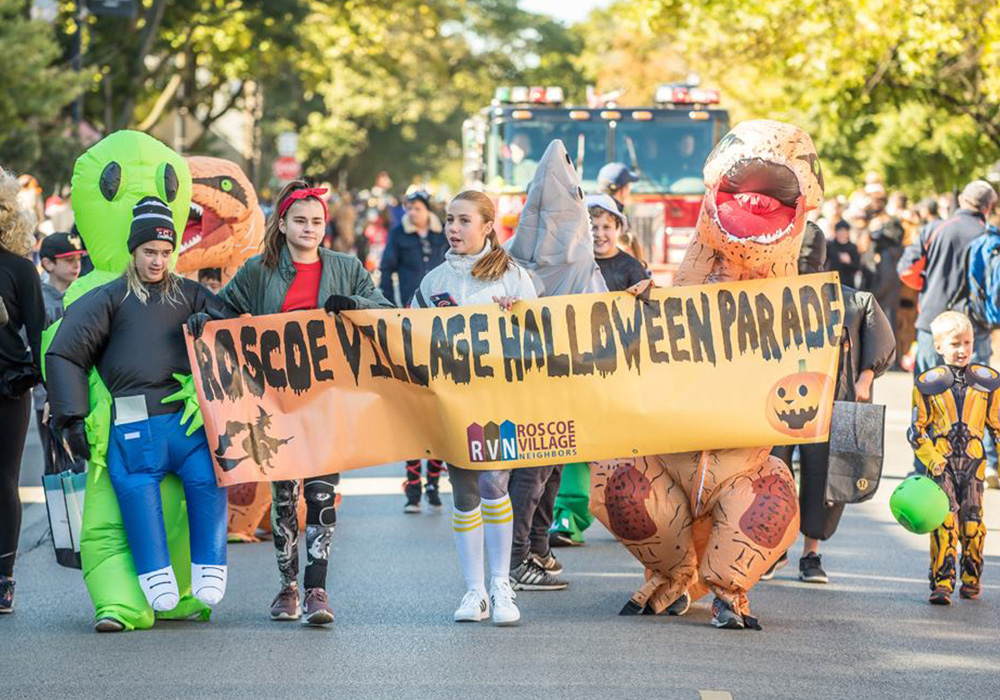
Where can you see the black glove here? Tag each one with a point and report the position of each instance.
(337, 303)
(196, 323)
(74, 434)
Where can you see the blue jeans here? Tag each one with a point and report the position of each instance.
(140, 455)
(927, 357)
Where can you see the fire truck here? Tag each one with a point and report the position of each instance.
(666, 145)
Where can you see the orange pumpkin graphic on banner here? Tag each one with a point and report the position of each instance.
(795, 405)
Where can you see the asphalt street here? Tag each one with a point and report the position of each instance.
(395, 583)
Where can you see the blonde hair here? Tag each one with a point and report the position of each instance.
(950, 322)
(494, 264)
(140, 290)
(16, 223)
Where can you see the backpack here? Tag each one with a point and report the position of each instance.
(981, 287)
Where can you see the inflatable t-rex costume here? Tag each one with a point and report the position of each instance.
(716, 520)
(226, 225)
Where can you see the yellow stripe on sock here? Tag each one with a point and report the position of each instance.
(466, 528)
(508, 519)
(498, 512)
(494, 506)
(465, 517)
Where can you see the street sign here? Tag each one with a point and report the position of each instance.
(118, 8)
(288, 143)
(287, 168)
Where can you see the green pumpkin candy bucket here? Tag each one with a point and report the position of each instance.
(919, 505)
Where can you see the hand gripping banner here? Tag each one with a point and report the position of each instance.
(561, 379)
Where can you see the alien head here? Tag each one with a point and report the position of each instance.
(108, 180)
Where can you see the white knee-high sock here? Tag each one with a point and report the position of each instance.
(468, 529)
(498, 525)
(208, 582)
(160, 589)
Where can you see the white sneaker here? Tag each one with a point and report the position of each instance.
(505, 613)
(474, 607)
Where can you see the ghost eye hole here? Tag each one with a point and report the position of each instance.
(226, 185)
(781, 392)
(111, 180)
(803, 390)
(169, 182)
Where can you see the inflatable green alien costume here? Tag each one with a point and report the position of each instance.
(108, 180)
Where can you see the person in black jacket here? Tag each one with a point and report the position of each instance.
(944, 248)
(842, 255)
(867, 350)
(21, 294)
(131, 330)
(414, 247)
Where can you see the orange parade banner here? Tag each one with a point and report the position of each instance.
(560, 379)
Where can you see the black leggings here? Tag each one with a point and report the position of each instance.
(818, 520)
(15, 415)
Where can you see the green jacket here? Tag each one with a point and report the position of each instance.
(258, 290)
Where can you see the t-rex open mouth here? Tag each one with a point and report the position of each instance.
(797, 420)
(204, 227)
(757, 201)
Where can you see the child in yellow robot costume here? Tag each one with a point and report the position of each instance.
(953, 405)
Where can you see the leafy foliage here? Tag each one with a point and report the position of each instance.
(34, 91)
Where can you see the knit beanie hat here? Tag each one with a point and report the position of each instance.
(152, 220)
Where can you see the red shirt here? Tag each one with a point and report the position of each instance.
(304, 292)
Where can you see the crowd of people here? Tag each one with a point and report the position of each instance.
(423, 254)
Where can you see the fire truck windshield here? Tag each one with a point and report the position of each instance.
(669, 155)
(519, 146)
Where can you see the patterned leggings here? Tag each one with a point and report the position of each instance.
(321, 518)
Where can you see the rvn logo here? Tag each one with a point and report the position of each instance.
(492, 442)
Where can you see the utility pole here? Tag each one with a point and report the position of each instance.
(81, 19)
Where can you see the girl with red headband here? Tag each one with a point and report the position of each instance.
(293, 273)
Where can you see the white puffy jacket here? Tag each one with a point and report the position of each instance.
(452, 283)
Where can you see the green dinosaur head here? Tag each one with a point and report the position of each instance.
(110, 178)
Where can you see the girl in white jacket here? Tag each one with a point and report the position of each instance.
(477, 270)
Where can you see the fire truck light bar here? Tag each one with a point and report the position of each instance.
(535, 94)
(682, 94)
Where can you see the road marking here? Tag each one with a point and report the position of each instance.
(714, 695)
(349, 486)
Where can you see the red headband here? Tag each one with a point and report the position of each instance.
(313, 192)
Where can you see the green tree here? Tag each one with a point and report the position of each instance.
(909, 89)
(34, 92)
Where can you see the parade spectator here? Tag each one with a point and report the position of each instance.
(414, 247)
(886, 235)
(477, 270)
(943, 248)
(21, 291)
(842, 255)
(211, 278)
(867, 350)
(61, 255)
(290, 275)
(955, 464)
(615, 179)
